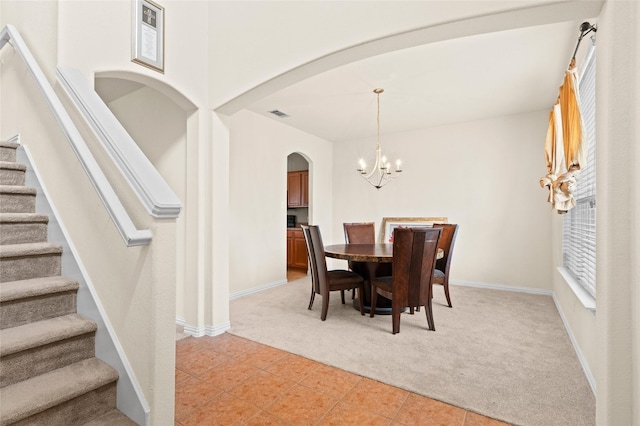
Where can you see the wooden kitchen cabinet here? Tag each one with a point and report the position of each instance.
(298, 189)
(296, 249)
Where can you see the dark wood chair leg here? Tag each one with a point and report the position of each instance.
(313, 296)
(446, 293)
(395, 313)
(325, 307)
(342, 296)
(361, 293)
(429, 313)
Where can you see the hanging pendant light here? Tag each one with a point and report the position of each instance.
(381, 173)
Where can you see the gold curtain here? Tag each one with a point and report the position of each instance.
(563, 149)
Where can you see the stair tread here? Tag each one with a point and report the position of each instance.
(18, 189)
(31, 335)
(12, 165)
(23, 218)
(22, 289)
(29, 249)
(23, 399)
(112, 418)
(7, 144)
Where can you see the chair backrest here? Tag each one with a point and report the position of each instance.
(315, 250)
(359, 233)
(312, 258)
(447, 241)
(414, 257)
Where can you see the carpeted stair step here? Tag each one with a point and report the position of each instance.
(32, 260)
(17, 199)
(19, 228)
(36, 299)
(8, 151)
(12, 173)
(112, 418)
(73, 395)
(40, 347)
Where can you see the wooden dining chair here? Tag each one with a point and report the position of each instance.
(358, 233)
(447, 241)
(414, 259)
(325, 281)
(363, 233)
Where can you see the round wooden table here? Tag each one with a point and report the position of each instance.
(368, 260)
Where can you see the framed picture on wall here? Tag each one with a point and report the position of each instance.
(148, 35)
(391, 223)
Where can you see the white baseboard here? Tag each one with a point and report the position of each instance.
(256, 289)
(207, 330)
(574, 342)
(491, 286)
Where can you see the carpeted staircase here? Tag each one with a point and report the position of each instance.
(49, 374)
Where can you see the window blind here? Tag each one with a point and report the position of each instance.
(579, 224)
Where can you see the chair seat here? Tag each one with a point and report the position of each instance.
(342, 279)
(383, 283)
(438, 276)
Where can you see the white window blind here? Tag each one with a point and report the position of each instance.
(579, 225)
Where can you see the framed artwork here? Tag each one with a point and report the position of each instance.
(148, 35)
(391, 223)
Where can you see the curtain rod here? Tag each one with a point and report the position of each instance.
(585, 28)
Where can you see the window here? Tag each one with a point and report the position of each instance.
(579, 225)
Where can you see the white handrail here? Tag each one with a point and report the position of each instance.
(130, 234)
(152, 190)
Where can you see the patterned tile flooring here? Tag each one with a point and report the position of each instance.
(228, 380)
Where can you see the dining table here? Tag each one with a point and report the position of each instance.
(370, 261)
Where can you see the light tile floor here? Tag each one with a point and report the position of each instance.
(228, 380)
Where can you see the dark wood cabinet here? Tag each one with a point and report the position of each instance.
(298, 189)
(296, 249)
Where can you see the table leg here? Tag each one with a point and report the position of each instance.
(369, 270)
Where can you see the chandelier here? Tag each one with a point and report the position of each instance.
(381, 173)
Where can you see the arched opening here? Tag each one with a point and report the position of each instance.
(298, 204)
(156, 116)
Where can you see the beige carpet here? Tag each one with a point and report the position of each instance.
(499, 353)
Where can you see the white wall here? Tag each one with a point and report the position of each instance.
(618, 222)
(481, 175)
(258, 189)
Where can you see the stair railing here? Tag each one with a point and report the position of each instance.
(128, 231)
(150, 187)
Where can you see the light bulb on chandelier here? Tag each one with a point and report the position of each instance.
(381, 173)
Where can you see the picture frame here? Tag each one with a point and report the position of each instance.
(391, 223)
(148, 35)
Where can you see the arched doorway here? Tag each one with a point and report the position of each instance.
(156, 116)
(298, 202)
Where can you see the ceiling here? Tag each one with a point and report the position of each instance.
(452, 81)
